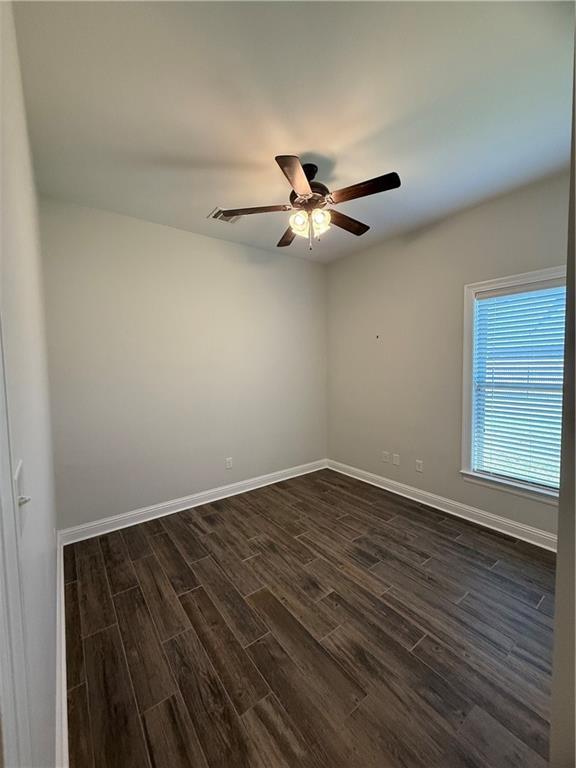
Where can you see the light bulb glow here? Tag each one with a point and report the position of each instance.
(300, 223)
(320, 221)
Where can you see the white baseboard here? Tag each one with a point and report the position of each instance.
(535, 536)
(114, 523)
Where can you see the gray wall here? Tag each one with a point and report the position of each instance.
(22, 319)
(402, 392)
(170, 351)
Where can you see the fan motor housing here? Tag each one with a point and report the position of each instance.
(318, 200)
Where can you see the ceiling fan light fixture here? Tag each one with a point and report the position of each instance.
(320, 221)
(300, 223)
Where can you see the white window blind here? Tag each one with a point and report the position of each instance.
(517, 385)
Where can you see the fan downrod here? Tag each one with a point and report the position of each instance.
(310, 170)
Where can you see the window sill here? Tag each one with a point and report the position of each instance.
(510, 486)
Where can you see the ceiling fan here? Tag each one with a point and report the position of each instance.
(310, 202)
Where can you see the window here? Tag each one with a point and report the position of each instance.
(514, 353)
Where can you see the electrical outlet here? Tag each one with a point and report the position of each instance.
(385, 456)
(228, 462)
(419, 465)
(396, 459)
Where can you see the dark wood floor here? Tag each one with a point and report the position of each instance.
(319, 623)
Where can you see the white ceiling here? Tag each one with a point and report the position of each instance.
(164, 110)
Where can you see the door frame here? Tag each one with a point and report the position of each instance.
(14, 695)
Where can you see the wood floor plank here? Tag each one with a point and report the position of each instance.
(533, 654)
(297, 548)
(546, 606)
(347, 504)
(479, 579)
(87, 548)
(413, 513)
(153, 527)
(379, 660)
(531, 629)
(350, 602)
(311, 509)
(536, 577)
(538, 679)
(207, 517)
(171, 738)
(327, 742)
(501, 546)
(382, 542)
(193, 518)
(136, 542)
(218, 727)
(179, 573)
(533, 553)
(237, 571)
(397, 728)
(244, 684)
(233, 539)
(116, 729)
(146, 661)
(240, 512)
(275, 740)
(357, 489)
(484, 737)
(341, 691)
(184, 538)
(240, 617)
(415, 579)
(277, 512)
(375, 618)
(438, 545)
(439, 617)
(287, 569)
(119, 568)
(314, 616)
(74, 649)
(95, 600)
(362, 576)
(328, 537)
(80, 748)
(165, 608)
(69, 563)
(307, 493)
(384, 502)
(493, 688)
(282, 494)
(510, 551)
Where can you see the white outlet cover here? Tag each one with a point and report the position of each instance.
(396, 459)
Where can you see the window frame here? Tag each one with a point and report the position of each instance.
(541, 278)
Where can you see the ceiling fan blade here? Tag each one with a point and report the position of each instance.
(292, 169)
(286, 239)
(231, 212)
(348, 223)
(365, 188)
